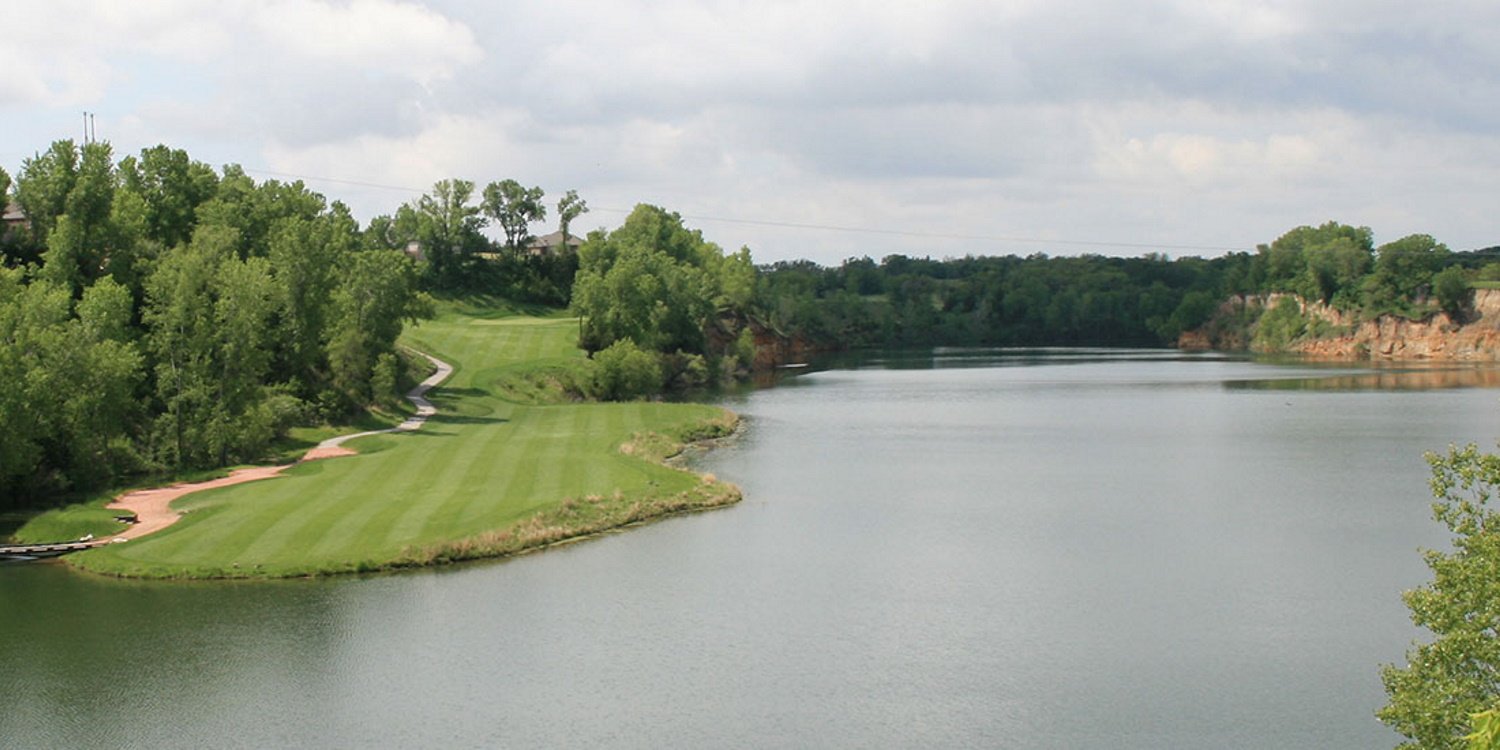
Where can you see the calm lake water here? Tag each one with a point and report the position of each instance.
(1060, 549)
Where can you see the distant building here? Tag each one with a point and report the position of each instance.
(552, 244)
(413, 250)
(14, 217)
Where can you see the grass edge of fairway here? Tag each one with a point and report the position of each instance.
(569, 520)
(87, 514)
(577, 519)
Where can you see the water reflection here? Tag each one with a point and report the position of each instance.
(987, 357)
(948, 548)
(1406, 378)
(1273, 373)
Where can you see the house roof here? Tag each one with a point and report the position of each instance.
(14, 214)
(555, 239)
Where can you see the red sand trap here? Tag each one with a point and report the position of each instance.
(153, 510)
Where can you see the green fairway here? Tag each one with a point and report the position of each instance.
(482, 466)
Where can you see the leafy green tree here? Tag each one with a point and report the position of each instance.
(383, 380)
(172, 186)
(1194, 310)
(70, 386)
(569, 207)
(106, 311)
(82, 238)
(1403, 272)
(448, 228)
(90, 200)
(244, 303)
(28, 315)
(648, 281)
(623, 371)
(1458, 673)
(383, 233)
(1317, 262)
(209, 316)
(254, 210)
(1333, 271)
(1486, 734)
(514, 208)
(1452, 289)
(43, 185)
(183, 320)
(1280, 326)
(374, 298)
(97, 372)
(308, 259)
(68, 259)
(129, 250)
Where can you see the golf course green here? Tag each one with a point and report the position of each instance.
(502, 468)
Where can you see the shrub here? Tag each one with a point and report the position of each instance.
(383, 381)
(1280, 326)
(1451, 287)
(622, 372)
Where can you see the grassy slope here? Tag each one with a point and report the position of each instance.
(481, 464)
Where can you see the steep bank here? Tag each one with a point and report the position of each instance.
(1333, 334)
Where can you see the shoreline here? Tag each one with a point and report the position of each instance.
(570, 520)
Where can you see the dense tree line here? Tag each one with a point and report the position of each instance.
(655, 287)
(1340, 265)
(157, 314)
(447, 228)
(1098, 300)
(1009, 301)
(662, 288)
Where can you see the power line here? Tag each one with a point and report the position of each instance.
(827, 227)
(971, 237)
(335, 180)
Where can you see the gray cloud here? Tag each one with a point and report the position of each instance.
(1185, 121)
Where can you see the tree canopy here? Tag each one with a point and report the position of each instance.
(659, 284)
(515, 209)
(1457, 675)
(158, 314)
(161, 314)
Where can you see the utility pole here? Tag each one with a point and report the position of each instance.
(90, 134)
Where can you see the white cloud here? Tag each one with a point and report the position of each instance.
(1208, 122)
(395, 38)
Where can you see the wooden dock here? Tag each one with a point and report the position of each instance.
(49, 549)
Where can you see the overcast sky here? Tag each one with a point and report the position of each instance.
(949, 128)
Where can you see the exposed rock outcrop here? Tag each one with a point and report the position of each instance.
(1436, 337)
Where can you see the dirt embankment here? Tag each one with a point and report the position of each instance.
(1476, 337)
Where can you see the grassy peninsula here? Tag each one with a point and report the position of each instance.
(501, 469)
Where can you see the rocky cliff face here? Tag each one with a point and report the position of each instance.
(773, 350)
(1439, 337)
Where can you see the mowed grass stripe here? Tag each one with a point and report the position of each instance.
(358, 512)
(481, 464)
(491, 473)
